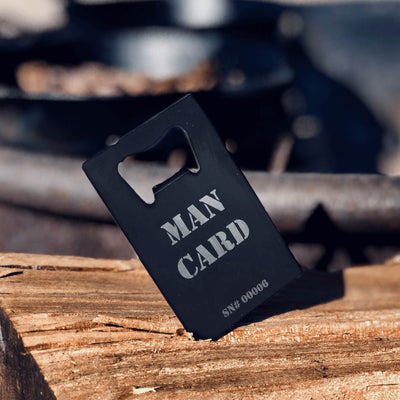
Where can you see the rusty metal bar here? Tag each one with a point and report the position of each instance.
(354, 203)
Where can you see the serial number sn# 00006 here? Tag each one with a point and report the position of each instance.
(254, 291)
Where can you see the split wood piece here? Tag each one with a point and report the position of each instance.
(100, 329)
(71, 263)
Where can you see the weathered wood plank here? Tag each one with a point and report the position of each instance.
(76, 328)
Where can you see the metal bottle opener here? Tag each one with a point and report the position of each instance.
(206, 241)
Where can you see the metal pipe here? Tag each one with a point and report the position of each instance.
(354, 203)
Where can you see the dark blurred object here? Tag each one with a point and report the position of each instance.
(243, 98)
(272, 107)
(334, 131)
(356, 44)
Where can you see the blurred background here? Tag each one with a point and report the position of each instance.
(305, 96)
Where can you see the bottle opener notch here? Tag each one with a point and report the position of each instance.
(173, 140)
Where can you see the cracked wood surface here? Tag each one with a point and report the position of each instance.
(76, 328)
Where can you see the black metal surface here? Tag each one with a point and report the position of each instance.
(202, 262)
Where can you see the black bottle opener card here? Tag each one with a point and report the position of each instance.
(206, 241)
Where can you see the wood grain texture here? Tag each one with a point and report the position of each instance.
(74, 328)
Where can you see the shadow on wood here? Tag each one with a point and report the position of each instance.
(20, 376)
(312, 288)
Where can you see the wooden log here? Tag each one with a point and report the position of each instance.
(75, 328)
